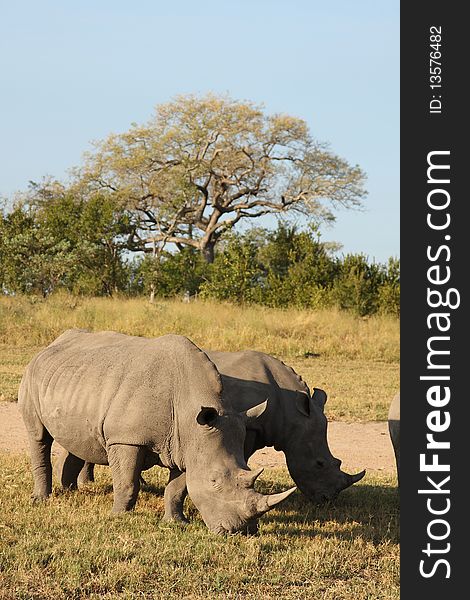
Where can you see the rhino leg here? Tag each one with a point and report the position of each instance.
(394, 429)
(40, 443)
(126, 464)
(87, 474)
(60, 456)
(65, 468)
(71, 467)
(175, 493)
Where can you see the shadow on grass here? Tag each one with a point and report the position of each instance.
(151, 488)
(368, 511)
(105, 489)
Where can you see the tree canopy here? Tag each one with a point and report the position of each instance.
(202, 164)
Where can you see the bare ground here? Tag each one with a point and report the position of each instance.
(358, 445)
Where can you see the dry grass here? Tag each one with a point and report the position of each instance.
(358, 390)
(355, 360)
(72, 547)
(328, 333)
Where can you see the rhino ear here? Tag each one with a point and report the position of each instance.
(253, 413)
(302, 403)
(319, 396)
(207, 415)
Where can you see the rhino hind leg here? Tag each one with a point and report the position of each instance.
(40, 449)
(126, 464)
(175, 493)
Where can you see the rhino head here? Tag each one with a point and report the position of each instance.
(313, 468)
(218, 480)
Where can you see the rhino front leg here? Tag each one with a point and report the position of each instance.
(175, 493)
(126, 464)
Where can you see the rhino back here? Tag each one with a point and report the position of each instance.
(249, 377)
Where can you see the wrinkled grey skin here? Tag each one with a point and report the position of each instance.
(394, 429)
(133, 403)
(293, 422)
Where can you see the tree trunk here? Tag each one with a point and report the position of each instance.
(152, 285)
(208, 252)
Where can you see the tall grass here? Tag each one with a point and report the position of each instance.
(284, 333)
(355, 360)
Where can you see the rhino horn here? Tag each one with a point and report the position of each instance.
(249, 477)
(254, 412)
(351, 479)
(275, 499)
(266, 503)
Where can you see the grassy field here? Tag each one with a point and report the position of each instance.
(355, 360)
(72, 547)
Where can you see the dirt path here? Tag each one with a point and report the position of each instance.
(359, 445)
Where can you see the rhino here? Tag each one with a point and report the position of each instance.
(293, 421)
(394, 429)
(134, 402)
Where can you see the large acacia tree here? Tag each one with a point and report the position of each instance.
(202, 164)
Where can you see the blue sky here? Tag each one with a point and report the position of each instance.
(75, 72)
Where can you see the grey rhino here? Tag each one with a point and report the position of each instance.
(394, 429)
(293, 421)
(133, 403)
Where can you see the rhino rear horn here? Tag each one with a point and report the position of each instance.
(249, 477)
(358, 476)
(351, 479)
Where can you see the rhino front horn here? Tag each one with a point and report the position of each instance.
(357, 477)
(266, 503)
(274, 499)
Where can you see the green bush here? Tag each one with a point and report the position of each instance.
(389, 291)
(60, 241)
(298, 270)
(357, 285)
(235, 273)
(170, 274)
